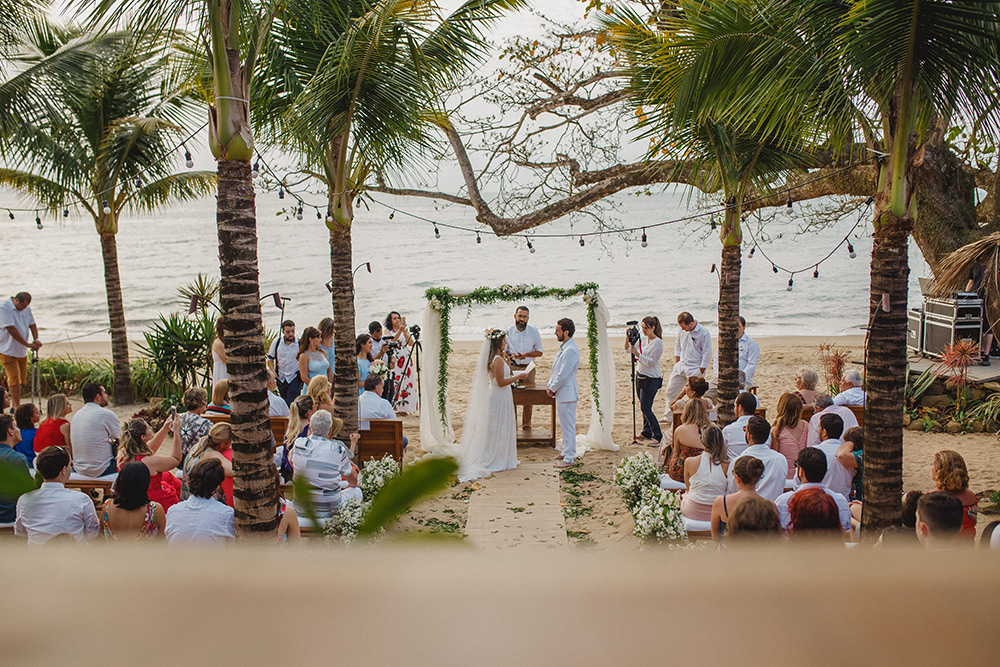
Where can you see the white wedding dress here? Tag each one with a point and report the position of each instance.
(489, 435)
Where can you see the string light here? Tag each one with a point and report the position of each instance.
(298, 213)
(319, 216)
(712, 222)
(105, 207)
(816, 272)
(790, 283)
(479, 239)
(753, 249)
(712, 270)
(11, 214)
(392, 215)
(788, 204)
(582, 242)
(531, 248)
(773, 267)
(437, 232)
(188, 160)
(850, 250)
(255, 172)
(329, 217)
(644, 242)
(38, 221)
(281, 192)
(65, 212)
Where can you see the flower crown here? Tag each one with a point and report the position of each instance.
(494, 334)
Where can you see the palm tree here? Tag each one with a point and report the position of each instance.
(234, 34)
(99, 145)
(679, 74)
(353, 87)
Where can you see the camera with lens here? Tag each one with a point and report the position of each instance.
(415, 330)
(632, 333)
(390, 345)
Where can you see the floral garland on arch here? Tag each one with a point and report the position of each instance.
(442, 300)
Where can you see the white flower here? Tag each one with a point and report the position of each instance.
(434, 303)
(347, 520)
(633, 475)
(658, 515)
(375, 474)
(379, 368)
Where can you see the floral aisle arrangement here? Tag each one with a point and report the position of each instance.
(442, 300)
(344, 525)
(657, 512)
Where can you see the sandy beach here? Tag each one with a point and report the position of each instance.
(595, 515)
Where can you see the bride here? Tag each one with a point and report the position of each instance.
(489, 436)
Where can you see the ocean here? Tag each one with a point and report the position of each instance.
(61, 266)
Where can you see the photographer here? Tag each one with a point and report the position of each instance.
(648, 377)
(375, 330)
(402, 372)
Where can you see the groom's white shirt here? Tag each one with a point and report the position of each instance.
(563, 381)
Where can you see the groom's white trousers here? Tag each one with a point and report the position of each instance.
(567, 422)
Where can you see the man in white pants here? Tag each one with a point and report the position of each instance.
(692, 355)
(562, 386)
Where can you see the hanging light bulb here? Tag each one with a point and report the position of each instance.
(65, 212)
(329, 217)
(712, 270)
(712, 222)
(644, 242)
(255, 172)
(437, 232)
(850, 250)
(753, 249)
(816, 271)
(774, 268)
(105, 207)
(789, 288)
(188, 160)
(531, 248)
(788, 205)
(582, 243)
(479, 238)
(319, 216)
(11, 214)
(392, 215)
(298, 213)
(38, 221)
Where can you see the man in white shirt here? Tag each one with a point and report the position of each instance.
(15, 323)
(201, 519)
(524, 344)
(325, 464)
(811, 469)
(282, 358)
(375, 331)
(824, 406)
(837, 478)
(94, 432)
(371, 405)
(692, 355)
(749, 354)
(278, 407)
(772, 483)
(734, 434)
(851, 392)
(53, 509)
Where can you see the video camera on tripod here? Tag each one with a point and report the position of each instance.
(632, 333)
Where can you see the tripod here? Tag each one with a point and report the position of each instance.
(389, 391)
(635, 440)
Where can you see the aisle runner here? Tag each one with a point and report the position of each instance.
(518, 508)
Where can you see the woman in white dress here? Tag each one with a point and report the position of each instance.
(219, 370)
(489, 436)
(403, 372)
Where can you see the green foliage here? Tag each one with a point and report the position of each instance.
(442, 300)
(912, 391)
(204, 287)
(14, 482)
(988, 410)
(179, 351)
(421, 479)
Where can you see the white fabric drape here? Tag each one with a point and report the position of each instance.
(598, 435)
(438, 439)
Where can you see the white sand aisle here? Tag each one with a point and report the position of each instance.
(516, 508)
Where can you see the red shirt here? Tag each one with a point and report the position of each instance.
(49, 435)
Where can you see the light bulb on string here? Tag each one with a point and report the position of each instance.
(712, 222)
(319, 216)
(329, 217)
(65, 212)
(531, 248)
(774, 268)
(392, 215)
(11, 214)
(188, 160)
(281, 192)
(790, 282)
(816, 271)
(38, 220)
(850, 250)
(644, 242)
(788, 205)
(753, 250)
(298, 213)
(582, 242)
(712, 270)
(255, 172)
(437, 232)
(105, 207)
(479, 239)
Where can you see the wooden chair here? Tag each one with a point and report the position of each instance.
(98, 490)
(385, 436)
(278, 425)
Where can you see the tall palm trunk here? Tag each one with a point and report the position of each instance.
(255, 490)
(886, 368)
(729, 312)
(116, 314)
(346, 378)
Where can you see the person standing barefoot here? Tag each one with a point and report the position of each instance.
(562, 387)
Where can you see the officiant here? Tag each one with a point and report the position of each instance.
(524, 344)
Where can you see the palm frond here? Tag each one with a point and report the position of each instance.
(179, 187)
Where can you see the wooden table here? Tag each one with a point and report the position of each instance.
(534, 395)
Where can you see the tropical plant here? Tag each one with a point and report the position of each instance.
(179, 349)
(353, 86)
(918, 387)
(233, 34)
(101, 148)
(834, 360)
(955, 361)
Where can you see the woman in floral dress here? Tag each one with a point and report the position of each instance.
(403, 372)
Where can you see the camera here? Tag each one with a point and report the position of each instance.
(391, 346)
(632, 333)
(415, 329)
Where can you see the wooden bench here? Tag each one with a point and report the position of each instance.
(98, 490)
(385, 436)
(278, 425)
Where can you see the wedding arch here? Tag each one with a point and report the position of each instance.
(437, 437)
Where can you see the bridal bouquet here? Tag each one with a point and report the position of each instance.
(379, 368)
(658, 515)
(633, 475)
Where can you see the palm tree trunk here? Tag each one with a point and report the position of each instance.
(729, 312)
(346, 376)
(122, 390)
(255, 492)
(886, 368)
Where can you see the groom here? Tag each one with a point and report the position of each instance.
(562, 386)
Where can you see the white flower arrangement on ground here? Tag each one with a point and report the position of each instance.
(344, 524)
(658, 515)
(375, 474)
(379, 368)
(633, 475)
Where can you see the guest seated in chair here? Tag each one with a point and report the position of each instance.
(696, 387)
(201, 519)
(140, 444)
(790, 432)
(326, 465)
(218, 445)
(805, 385)
(814, 515)
(747, 471)
(705, 476)
(371, 405)
(131, 515)
(753, 519)
(811, 466)
(951, 476)
(939, 520)
(277, 406)
(220, 399)
(53, 509)
(851, 392)
(687, 439)
(772, 483)
(735, 434)
(825, 406)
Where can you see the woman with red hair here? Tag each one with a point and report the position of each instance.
(814, 513)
